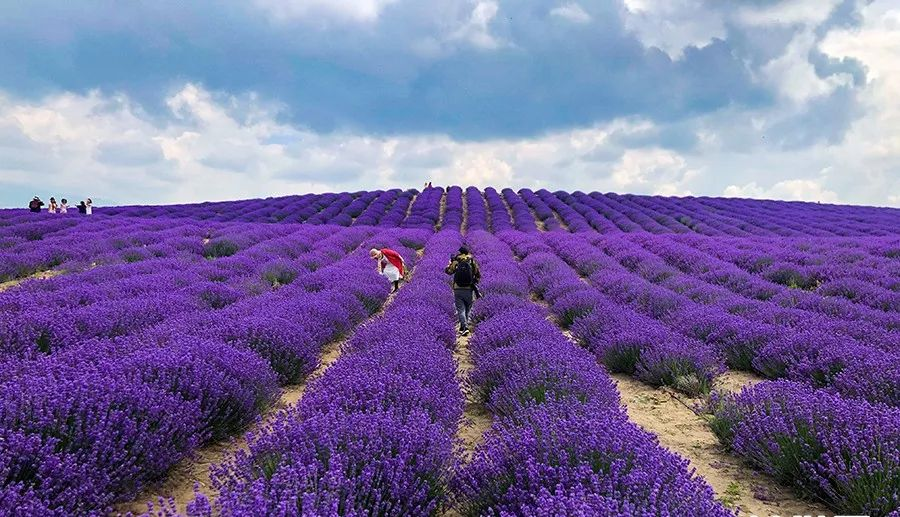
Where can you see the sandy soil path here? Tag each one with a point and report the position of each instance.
(476, 419)
(41, 275)
(667, 415)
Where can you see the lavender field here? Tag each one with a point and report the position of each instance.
(246, 358)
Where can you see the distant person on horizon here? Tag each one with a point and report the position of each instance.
(52, 207)
(466, 276)
(390, 264)
(89, 207)
(429, 185)
(35, 205)
(64, 206)
(82, 208)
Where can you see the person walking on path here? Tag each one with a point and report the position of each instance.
(390, 264)
(35, 205)
(466, 276)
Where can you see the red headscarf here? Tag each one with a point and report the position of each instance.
(394, 258)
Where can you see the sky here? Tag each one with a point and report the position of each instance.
(172, 101)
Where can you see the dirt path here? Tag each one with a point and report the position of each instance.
(559, 218)
(179, 483)
(409, 207)
(541, 226)
(666, 414)
(464, 222)
(441, 211)
(476, 419)
(509, 211)
(488, 216)
(734, 380)
(561, 222)
(41, 275)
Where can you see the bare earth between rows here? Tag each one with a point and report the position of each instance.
(668, 416)
(476, 419)
(41, 275)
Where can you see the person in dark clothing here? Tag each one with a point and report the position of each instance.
(466, 276)
(35, 205)
(82, 208)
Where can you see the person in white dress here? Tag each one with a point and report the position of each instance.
(390, 264)
(89, 207)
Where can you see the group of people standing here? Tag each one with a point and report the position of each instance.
(86, 207)
(462, 267)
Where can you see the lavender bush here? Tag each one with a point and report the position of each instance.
(846, 452)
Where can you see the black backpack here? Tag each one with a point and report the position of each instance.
(464, 275)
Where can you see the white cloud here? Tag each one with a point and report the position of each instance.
(874, 43)
(871, 148)
(572, 12)
(673, 25)
(475, 168)
(795, 78)
(214, 146)
(789, 12)
(106, 147)
(654, 171)
(790, 190)
(476, 30)
(357, 11)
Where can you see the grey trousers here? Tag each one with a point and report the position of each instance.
(462, 298)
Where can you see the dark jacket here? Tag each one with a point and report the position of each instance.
(476, 271)
(35, 205)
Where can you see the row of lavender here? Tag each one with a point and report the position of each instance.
(750, 322)
(527, 210)
(833, 430)
(561, 443)
(30, 245)
(96, 422)
(112, 296)
(375, 434)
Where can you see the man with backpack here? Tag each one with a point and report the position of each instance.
(466, 276)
